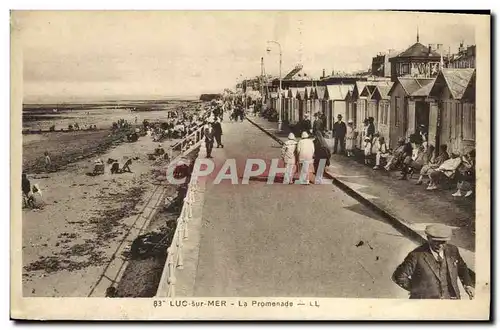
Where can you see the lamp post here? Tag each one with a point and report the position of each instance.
(279, 93)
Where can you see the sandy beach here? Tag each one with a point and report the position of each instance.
(87, 221)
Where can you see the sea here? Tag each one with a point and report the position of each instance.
(42, 115)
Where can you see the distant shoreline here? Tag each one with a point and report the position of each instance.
(109, 101)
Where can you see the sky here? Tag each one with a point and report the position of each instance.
(78, 54)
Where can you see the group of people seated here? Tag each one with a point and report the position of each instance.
(416, 155)
(32, 195)
(171, 129)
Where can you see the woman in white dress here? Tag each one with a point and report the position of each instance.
(350, 138)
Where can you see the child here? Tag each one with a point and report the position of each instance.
(350, 138)
(368, 149)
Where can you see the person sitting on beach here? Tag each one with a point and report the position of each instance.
(35, 197)
(26, 188)
(159, 151)
(115, 168)
(126, 166)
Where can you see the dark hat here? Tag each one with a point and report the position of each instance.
(339, 116)
(438, 232)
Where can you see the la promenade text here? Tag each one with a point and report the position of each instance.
(190, 303)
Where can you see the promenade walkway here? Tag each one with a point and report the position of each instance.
(411, 204)
(289, 240)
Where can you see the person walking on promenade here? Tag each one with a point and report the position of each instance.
(317, 124)
(305, 152)
(431, 271)
(217, 130)
(306, 125)
(321, 151)
(350, 138)
(339, 133)
(209, 140)
(289, 155)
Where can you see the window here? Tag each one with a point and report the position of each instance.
(397, 110)
(469, 122)
(405, 69)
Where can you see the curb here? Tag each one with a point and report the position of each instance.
(398, 223)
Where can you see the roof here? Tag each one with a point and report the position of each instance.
(414, 86)
(358, 87)
(301, 92)
(372, 87)
(458, 80)
(418, 50)
(338, 92)
(292, 92)
(309, 91)
(321, 93)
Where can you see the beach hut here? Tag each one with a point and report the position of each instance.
(284, 105)
(376, 93)
(293, 105)
(302, 102)
(358, 104)
(321, 96)
(410, 106)
(337, 100)
(309, 96)
(453, 117)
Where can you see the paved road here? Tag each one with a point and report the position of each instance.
(288, 240)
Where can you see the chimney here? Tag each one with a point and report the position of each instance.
(323, 73)
(430, 48)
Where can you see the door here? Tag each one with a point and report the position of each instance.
(433, 125)
(422, 110)
(444, 123)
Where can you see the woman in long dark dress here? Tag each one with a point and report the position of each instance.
(321, 151)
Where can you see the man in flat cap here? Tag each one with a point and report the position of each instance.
(431, 271)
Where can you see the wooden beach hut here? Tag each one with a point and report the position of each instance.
(453, 115)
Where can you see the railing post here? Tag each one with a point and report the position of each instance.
(180, 259)
(171, 276)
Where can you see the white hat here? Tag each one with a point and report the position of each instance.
(291, 136)
(350, 121)
(304, 135)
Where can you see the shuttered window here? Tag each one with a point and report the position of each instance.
(469, 122)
